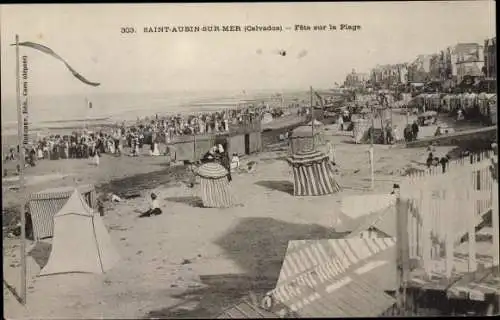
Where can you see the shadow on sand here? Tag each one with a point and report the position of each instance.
(279, 185)
(189, 200)
(145, 181)
(257, 246)
(41, 253)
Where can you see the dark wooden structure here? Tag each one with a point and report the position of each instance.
(242, 140)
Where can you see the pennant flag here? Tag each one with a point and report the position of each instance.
(50, 52)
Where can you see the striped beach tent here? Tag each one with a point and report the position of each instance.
(45, 204)
(303, 139)
(336, 278)
(215, 190)
(313, 174)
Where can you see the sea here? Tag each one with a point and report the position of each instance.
(48, 113)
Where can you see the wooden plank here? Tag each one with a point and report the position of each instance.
(495, 225)
(471, 219)
(463, 288)
(450, 234)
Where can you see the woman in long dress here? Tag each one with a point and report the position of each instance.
(96, 158)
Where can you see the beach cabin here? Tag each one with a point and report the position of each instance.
(43, 206)
(246, 139)
(243, 140)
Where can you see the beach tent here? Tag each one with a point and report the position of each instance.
(368, 215)
(336, 278)
(316, 123)
(302, 139)
(267, 118)
(313, 174)
(81, 242)
(360, 129)
(45, 204)
(215, 190)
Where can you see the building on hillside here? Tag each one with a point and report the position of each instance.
(403, 73)
(468, 60)
(490, 58)
(435, 67)
(389, 75)
(356, 80)
(419, 69)
(448, 64)
(376, 75)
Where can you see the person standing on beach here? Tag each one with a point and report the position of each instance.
(414, 130)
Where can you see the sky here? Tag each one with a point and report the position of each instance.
(89, 37)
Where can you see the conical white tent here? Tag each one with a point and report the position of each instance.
(317, 123)
(81, 242)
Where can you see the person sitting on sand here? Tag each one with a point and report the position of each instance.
(154, 207)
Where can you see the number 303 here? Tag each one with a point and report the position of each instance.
(127, 30)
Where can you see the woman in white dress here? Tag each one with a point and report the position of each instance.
(111, 146)
(40, 152)
(156, 150)
(96, 158)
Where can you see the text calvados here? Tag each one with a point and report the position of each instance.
(212, 28)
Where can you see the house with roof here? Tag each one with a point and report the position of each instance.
(419, 69)
(468, 60)
(490, 58)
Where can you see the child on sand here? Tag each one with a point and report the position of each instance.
(154, 207)
(235, 162)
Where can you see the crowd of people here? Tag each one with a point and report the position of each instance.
(132, 137)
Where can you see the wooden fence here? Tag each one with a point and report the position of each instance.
(443, 208)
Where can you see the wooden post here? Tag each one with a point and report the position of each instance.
(426, 224)
(402, 241)
(471, 220)
(450, 209)
(495, 222)
(370, 153)
(312, 119)
(372, 168)
(194, 147)
(22, 189)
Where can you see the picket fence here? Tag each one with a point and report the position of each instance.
(445, 207)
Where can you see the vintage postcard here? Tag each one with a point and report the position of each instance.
(249, 160)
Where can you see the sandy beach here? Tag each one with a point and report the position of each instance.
(190, 261)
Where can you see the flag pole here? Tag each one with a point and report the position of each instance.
(86, 113)
(312, 117)
(21, 176)
(370, 151)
